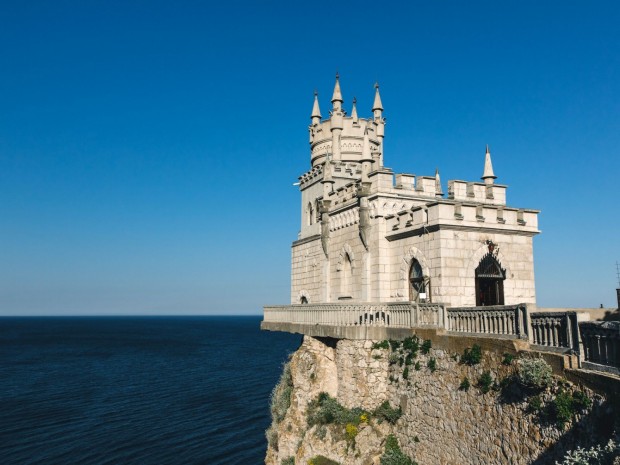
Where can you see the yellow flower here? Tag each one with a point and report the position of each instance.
(351, 431)
(363, 418)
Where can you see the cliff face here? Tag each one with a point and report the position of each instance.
(440, 421)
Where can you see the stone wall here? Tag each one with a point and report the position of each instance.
(441, 424)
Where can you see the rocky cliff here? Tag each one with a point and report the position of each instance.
(422, 402)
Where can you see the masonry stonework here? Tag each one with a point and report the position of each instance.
(369, 235)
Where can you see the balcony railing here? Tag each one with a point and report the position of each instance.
(601, 342)
(555, 329)
(394, 314)
(506, 320)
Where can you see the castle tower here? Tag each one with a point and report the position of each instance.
(341, 135)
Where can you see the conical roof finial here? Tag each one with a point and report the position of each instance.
(316, 112)
(377, 105)
(488, 176)
(354, 110)
(438, 191)
(337, 97)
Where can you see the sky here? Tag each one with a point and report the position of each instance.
(148, 150)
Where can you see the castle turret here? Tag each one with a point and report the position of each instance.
(488, 176)
(366, 158)
(341, 135)
(337, 116)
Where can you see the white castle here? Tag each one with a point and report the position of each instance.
(369, 235)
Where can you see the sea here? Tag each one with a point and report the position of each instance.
(137, 390)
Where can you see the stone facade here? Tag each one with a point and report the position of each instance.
(369, 235)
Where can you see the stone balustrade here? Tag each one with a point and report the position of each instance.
(555, 329)
(552, 331)
(394, 314)
(601, 342)
(506, 320)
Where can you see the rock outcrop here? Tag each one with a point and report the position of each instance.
(441, 421)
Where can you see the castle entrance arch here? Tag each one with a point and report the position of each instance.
(490, 278)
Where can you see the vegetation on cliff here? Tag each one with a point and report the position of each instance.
(280, 403)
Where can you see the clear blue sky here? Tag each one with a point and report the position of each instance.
(148, 149)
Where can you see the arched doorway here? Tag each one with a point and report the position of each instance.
(417, 284)
(490, 281)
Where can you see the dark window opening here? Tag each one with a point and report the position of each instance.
(490, 278)
(417, 284)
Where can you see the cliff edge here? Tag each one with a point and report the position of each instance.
(359, 402)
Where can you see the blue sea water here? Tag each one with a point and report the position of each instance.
(137, 390)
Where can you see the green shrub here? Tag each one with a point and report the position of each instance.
(472, 356)
(411, 344)
(381, 345)
(393, 359)
(596, 455)
(409, 359)
(321, 460)
(325, 410)
(417, 366)
(394, 344)
(432, 364)
(401, 361)
(561, 409)
(288, 461)
(581, 401)
(534, 372)
(406, 373)
(393, 455)
(281, 395)
(485, 382)
(534, 404)
(426, 346)
(508, 359)
(465, 384)
(385, 412)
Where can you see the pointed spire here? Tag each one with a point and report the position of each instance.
(354, 110)
(316, 112)
(377, 105)
(337, 97)
(488, 176)
(438, 191)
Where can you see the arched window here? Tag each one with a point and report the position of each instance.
(417, 284)
(309, 213)
(303, 300)
(490, 281)
(345, 277)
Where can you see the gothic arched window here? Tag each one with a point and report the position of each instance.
(417, 284)
(345, 277)
(490, 281)
(309, 214)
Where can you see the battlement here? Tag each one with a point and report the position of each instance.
(351, 139)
